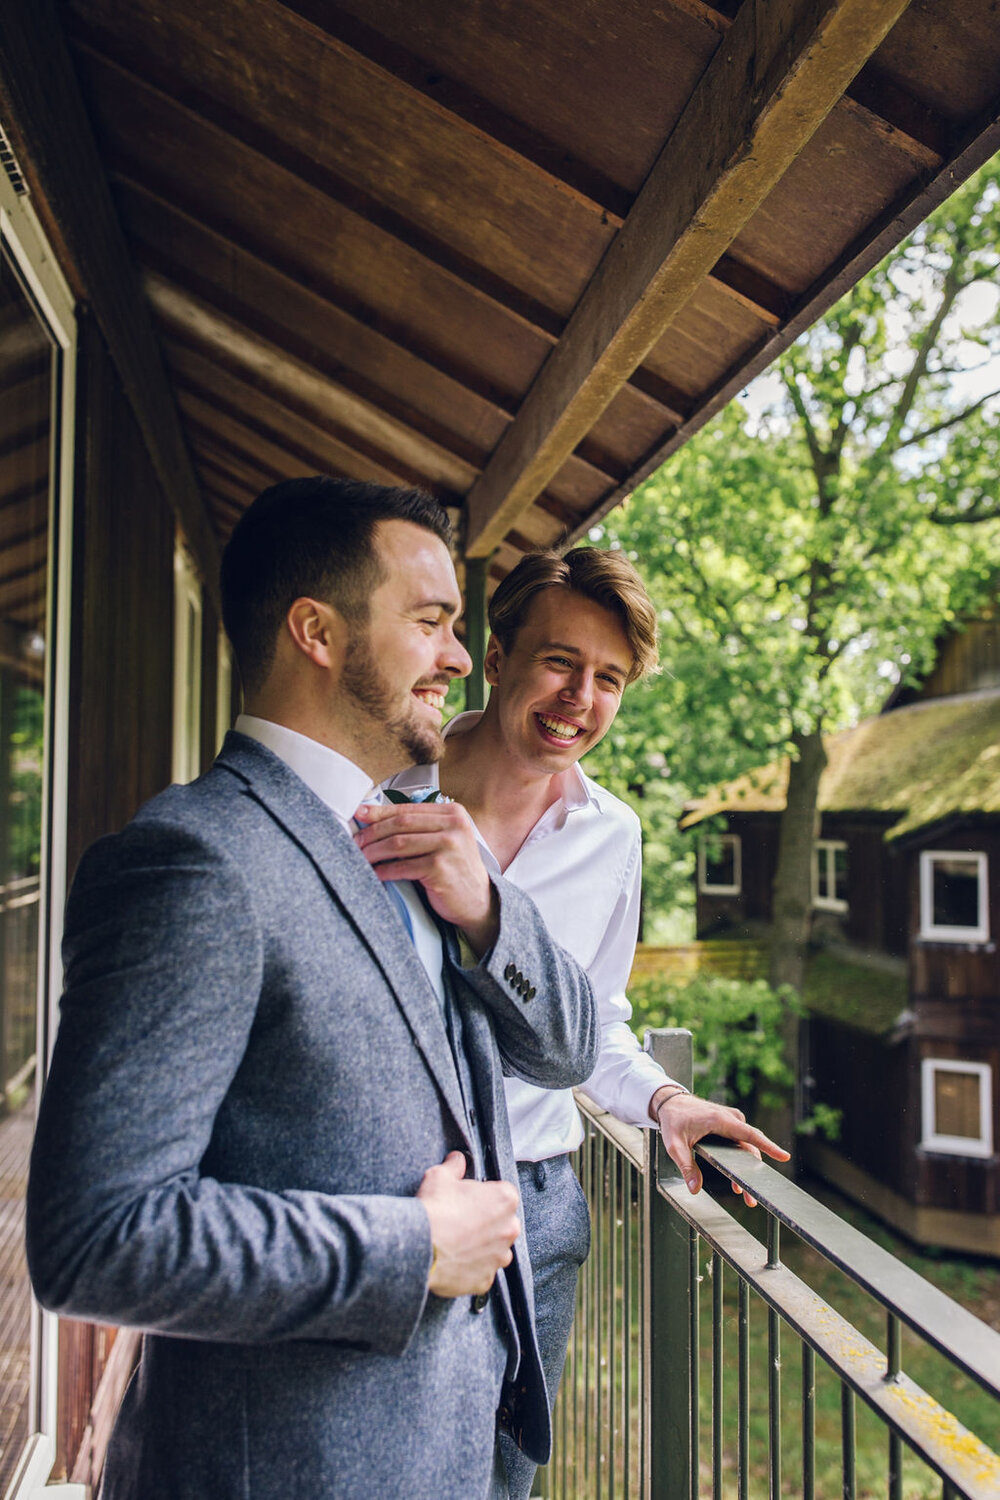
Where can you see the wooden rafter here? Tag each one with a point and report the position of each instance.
(729, 148)
(40, 98)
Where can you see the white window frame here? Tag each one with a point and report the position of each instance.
(186, 761)
(828, 848)
(722, 890)
(941, 934)
(26, 243)
(956, 1145)
(223, 689)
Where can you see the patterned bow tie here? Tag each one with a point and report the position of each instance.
(415, 794)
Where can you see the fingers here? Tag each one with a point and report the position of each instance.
(682, 1156)
(454, 1163)
(378, 822)
(756, 1138)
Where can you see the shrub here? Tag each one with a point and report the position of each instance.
(737, 1024)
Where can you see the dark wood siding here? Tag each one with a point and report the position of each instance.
(877, 1087)
(758, 835)
(121, 691)
(969, 660)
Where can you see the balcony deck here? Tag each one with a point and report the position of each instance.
(15, 1300)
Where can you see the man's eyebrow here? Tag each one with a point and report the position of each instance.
(608, 666)
(446, 606)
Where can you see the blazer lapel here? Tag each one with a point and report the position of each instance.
(358, 891)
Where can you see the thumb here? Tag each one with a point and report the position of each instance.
(686, 1165)
(454, 1165)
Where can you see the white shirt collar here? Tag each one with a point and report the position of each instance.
(337, 781)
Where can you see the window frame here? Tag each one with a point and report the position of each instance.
(188, 621)
(223, 689)
(722, 890)
(27, 246)
(955, 1145)
(929, 930)
(829, 848)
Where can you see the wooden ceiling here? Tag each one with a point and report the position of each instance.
(514, 252)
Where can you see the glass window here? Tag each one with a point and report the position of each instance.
(830, 874)
(957, 1107)
(719, 865)
(28, 364)
(953, 886)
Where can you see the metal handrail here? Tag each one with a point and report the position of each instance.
(955, 1332)
(632, 1397)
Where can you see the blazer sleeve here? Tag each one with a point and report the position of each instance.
(540, 999)
(164, 962)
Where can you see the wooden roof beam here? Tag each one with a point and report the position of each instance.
(41, 101)
(769, 86)
(299, 386)
(540, 320)
(916, 128)
(606, 199)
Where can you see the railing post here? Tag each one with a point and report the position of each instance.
(476, 629)
(669, 1414)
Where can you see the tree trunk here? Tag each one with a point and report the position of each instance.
(791, 913)
(792, 904)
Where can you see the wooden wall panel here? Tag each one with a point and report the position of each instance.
(874, 1086)
(121, 691)
(122, 615)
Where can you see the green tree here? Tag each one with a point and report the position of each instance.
(803, 561)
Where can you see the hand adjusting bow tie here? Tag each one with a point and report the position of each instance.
(415, 794)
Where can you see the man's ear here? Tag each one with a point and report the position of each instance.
(318, 631)
(493, 660)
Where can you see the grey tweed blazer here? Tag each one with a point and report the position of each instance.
(250, 1077)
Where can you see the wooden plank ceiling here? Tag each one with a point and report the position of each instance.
(513, 252)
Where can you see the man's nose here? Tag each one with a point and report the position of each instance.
(579, 688)
(454, 658)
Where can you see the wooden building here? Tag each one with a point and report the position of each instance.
(514, 253)
(904, 977)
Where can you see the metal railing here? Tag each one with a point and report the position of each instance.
(664, 1400)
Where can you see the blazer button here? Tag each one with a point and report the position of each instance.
(519, 980)
(479, 1301)
(530, 993)
(509, 972)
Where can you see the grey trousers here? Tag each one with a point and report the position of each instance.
(557, 1227)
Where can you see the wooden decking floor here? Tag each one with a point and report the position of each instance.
(15, 1296)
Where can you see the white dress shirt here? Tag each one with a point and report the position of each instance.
(581, 864)
(343, 786)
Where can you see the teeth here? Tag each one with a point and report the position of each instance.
(558, 728)
(432, 696)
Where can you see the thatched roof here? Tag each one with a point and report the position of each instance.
(917, 764)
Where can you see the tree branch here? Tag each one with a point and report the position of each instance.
(968, 517)
(946, 422)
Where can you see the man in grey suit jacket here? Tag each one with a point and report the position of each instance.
(273, 1135)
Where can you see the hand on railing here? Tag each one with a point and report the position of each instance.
(684, 1120)
(473, 1226)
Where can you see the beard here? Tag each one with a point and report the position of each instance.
(372, 694)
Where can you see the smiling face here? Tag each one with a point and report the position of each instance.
(556, 692)
(400, 661)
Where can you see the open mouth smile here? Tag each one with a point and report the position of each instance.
(433, 696)
(559, 729)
